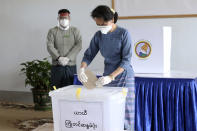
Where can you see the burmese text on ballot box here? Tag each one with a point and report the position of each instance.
(76, 108)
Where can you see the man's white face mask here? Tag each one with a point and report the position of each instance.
(105, 29)
(64, 23)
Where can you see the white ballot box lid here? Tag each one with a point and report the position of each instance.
(78, 92)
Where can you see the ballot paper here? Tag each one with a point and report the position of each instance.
(91, 83)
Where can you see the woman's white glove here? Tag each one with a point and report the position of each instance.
(104, 80)
(63, 61)
(82, 76)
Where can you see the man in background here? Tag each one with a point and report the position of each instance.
(64, 42)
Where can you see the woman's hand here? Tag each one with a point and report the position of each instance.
(108, 79)
(104, 81)
(82, 76)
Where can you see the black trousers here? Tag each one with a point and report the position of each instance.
(62, 75)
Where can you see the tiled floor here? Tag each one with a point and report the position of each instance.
(9, 117)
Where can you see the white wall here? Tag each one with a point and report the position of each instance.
(155, 7)
(23, 29)
(24, 26)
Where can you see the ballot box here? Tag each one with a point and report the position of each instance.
(76, 108)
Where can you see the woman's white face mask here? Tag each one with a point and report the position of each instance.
(105, 29)
(64, 22)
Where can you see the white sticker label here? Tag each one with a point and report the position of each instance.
(81, 116)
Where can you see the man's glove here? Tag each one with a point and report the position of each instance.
(63, 61)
